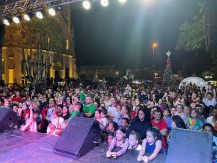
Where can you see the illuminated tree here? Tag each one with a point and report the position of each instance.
(192, 34)
(36, 39)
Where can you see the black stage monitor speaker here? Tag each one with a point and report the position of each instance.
(8, 119)
(189, 147)
(79, 137)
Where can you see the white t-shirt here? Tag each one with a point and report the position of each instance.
(104, 123)
(107, 103)
(59, 120)
(137, 149)
(113, 110)
(209, 120)
(208, 102)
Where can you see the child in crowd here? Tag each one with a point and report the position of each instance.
(134, 141)
(167, 118)
(111, 126)
(110, 137)
(65, 112)
(25, 113)
(57, 125)
(125, 123)
(6, 103)
(172, 111)
(187, 110)
(104, 119)
(125, 113)
(210, 129)
(177, 122)
(120, 141)
(151, 144)
(179, 111)
(97, 116)
(30, 124)
(194, 122)
(36, 116)
(77, 108)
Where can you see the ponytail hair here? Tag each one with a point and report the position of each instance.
(137, 136)
(156, 133)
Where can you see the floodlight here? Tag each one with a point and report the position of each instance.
(86, 5)
(39, 14)
(104, 3)
(6, 22)
(16, 19)
(52, 11)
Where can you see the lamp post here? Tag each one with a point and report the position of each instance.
(154, 46)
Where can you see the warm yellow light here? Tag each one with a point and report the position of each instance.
(67, 44)
(11, 75)
(155, 44)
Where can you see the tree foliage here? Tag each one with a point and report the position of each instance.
(33, 37)
(35, 33)
(192, 34)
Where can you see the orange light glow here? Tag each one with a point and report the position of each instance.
(155, 44)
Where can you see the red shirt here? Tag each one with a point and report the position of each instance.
(161, 125)
(17, 99)
(24, 113)
(134, 113)
(191, 101)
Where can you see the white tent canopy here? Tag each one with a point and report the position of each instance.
(193, 80)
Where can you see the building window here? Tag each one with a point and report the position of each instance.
(67, 44)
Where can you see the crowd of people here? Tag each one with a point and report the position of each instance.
(131, 116)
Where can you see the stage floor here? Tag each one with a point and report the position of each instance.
(17, 146)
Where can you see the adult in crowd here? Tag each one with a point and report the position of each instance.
(89, 109)
(160, 123)
(141, 122)
(16, 99)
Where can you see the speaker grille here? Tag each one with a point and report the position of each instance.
(189, 147)
(8, 119)
(78, 137)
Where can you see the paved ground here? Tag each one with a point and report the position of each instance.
(16, 146)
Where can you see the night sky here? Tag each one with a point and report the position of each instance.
(122, 35)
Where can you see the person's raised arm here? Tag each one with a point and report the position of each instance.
(31, 111)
